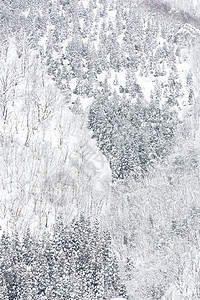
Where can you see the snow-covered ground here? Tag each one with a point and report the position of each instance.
(32, 127)
(189, 6)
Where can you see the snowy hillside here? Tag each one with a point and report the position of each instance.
(191, 6)
(39, 144)
(99, 150)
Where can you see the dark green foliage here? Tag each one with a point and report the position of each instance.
(76, 263)
(133, 137)
(173, 91)
(191, 97)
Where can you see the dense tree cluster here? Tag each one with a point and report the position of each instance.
(131, 69)
(133, 136)
(82, 44)
(76, 262)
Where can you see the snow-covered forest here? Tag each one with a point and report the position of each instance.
(99, 150)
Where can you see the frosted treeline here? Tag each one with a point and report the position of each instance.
(99, 150)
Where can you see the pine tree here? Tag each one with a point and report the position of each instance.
(3, 288)
(191, 97)
(28, 248)
(174, 88)
(75, 263)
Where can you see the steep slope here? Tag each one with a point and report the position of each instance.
(48, 161)
(90, 87)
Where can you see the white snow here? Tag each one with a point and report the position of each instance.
(117, 299)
